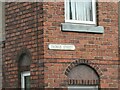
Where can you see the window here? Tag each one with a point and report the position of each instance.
(24, 62)
(80, 16)
(80, 11)
(25, 80)
(83, 77)
(83, 88)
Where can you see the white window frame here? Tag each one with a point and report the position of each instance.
(84, 22)
(23, 74)
(80, 87)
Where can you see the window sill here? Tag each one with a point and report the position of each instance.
(82, 28)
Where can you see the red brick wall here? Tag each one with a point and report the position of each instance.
(100, 49)
(23, 32)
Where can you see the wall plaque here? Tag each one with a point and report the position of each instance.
(61, 47)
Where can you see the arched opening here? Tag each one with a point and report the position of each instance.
(83, 77)
(24, 63)
(24, 71)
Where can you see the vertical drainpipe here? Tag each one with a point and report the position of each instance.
(119, 44)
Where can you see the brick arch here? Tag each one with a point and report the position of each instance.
(83, 62)
(23, 51)
(23, 59)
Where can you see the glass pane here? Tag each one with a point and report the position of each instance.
(79, 10)
(83, 88)
(91, 10)
(27, 82)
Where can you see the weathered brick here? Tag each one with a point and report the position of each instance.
(26, 30)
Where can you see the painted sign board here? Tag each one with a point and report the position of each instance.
(61, 47)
